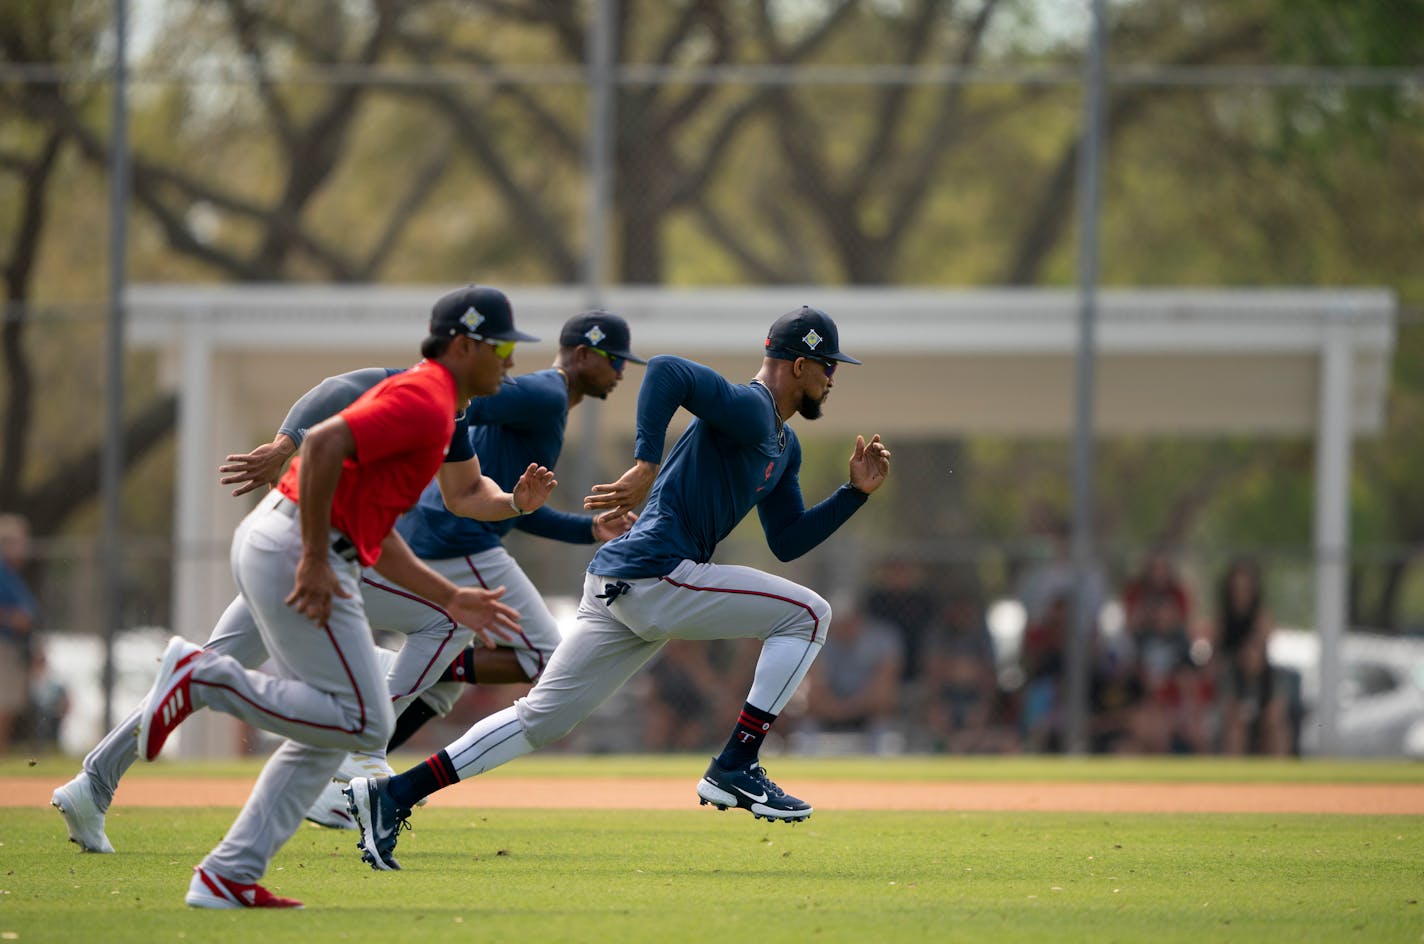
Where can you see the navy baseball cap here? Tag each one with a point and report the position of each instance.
(806, 332)
(602, 330)
(479, 311)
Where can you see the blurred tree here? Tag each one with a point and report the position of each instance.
(443, 140)
(49, 38)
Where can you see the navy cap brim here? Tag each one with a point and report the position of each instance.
(843, 358)
(626, 355)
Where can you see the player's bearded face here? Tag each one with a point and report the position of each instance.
(810, 407)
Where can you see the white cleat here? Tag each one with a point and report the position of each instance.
(329, 810)
(82, 815)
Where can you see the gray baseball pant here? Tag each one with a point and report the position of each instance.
(432, 640)
(538, 630)
(612, 641)
(328, 696)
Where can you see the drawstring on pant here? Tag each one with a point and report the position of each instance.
(612, 591)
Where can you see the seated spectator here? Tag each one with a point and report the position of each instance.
(902, 598)
(1174, 715)
(1116, 698)
(1155, 594)
(1051, 574)
(19, 612)
(1253, 713)
(961, 702)
(855, 681)
(1041, 657)
(685, 696)
(49, 703)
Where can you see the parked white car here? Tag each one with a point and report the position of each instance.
(1381, 697)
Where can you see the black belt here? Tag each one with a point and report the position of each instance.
(341, 546)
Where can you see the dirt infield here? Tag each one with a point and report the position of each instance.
(668, 794)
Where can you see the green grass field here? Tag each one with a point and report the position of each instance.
(568, 875)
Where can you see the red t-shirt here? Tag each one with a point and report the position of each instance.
(402, 428)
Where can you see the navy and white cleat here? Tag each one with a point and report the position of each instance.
(379, 818)
(749, 788)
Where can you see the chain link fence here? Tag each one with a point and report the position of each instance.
(800, 144)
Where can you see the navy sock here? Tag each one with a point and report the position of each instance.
(745, 743)
(461, 668)
(410, 721)
(420, 781)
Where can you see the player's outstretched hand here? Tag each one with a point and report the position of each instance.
(534, 486)
(606, 528)
(313, 588)
(624, 495)
(482, 611)
(869, 464)
(262, 466)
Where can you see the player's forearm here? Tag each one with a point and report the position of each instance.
(327, 447)
(798, 534)
(483, 501)
(558, 525)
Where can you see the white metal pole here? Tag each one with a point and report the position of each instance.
(1333, 443)
(1084, 620)
(112, 462)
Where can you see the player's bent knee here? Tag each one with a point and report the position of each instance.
(542, 730)
(441, 697)
(817, 625)
(376, 732)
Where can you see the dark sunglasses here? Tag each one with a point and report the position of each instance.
(616, 362)
(830, 366)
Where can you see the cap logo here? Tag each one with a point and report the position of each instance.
(811, 339)
(472, 319)
(594, 335)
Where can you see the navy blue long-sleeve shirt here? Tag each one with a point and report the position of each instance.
(522, 422)
(735, 455)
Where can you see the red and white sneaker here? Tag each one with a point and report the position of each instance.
(210, 890)
(169, 701)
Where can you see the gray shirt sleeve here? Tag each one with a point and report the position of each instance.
(328, 398)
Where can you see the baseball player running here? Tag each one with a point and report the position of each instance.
(332, 511)
(522, 424)
(656, 582)
(593, 348)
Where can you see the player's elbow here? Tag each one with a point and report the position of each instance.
(786, 550)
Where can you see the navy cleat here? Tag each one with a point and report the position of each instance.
(379, 818)
(749, 788)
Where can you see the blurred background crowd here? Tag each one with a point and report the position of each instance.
(920, 660)
(912, 666)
